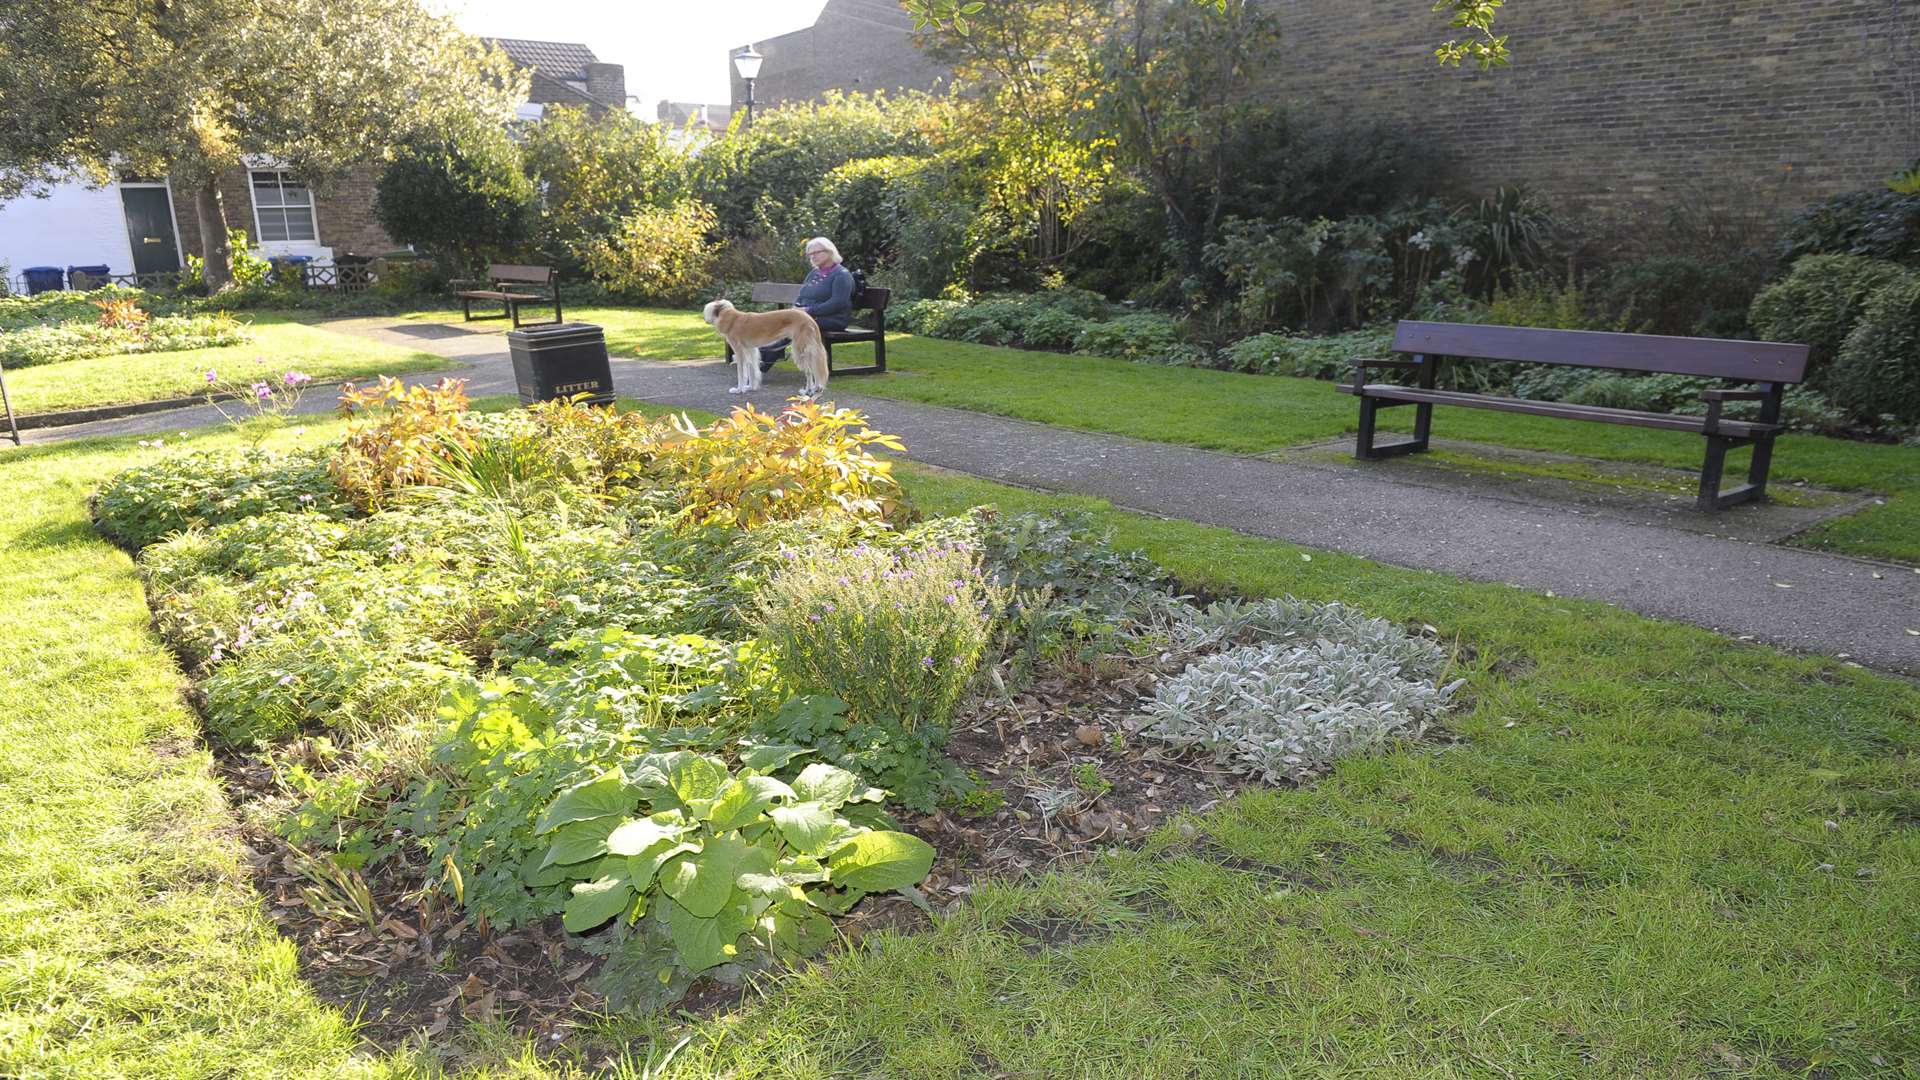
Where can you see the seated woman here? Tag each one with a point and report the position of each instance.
(826, 294)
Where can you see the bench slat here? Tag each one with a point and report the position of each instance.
(542, 275)
(1631, 417)
(1757, 361)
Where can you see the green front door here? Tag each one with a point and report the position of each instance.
(150, 229)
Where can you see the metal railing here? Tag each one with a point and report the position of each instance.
(357, 278)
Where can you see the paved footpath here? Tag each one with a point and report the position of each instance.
(1801, 600)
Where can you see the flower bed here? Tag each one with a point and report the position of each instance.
(653, 694)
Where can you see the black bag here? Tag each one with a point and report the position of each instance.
(859, 283)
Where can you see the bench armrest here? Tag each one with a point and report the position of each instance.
(1735, 395)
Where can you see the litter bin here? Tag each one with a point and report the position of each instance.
(86, 278)
(351, 272)
(552, 363)
(290, 268)
(43, 279)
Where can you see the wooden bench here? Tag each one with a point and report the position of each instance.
(869, 299)
(1769, 366)
(510, 287)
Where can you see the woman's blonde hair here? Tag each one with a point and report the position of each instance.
(823, 242)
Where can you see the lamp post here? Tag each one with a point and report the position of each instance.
(747, 63)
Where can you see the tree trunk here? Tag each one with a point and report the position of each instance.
(215, 253)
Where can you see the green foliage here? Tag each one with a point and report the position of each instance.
(1877, 223)
(466, 198)
(579, 582)
(859, 205)
(905, 761)
(80, 338)
(757, 177)
(1329, 357)
(729, 867)
(147, 502)
(595, 172)
(664, 255)
(1682, 296)
(1818, 303)
(1144, 337)
(1877, 374)
(891, 633)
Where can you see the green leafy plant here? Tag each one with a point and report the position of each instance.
(892, 633)
(402, 439)
(752, 467)
(730, 866)
(664, 255)
(906, 762)
(1877, 374)
(1818, 303)
(206, 488)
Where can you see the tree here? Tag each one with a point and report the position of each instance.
(461, 198)
(595, 171)
(194, 88)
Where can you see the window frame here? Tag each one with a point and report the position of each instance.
(282, 179)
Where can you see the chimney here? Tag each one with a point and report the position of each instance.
(607, 83)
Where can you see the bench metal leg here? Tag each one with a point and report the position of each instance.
(1364, 447)
(1712, 499)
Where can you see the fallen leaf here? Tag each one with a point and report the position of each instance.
(1781, 585)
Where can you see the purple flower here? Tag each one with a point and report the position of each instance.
(306, 496)
(828, 607)
(212, 375)
(813, 618)
(927, 662)
(262, 391)
(844, 581)
(952, 599)
(296, 378)
(287, 680)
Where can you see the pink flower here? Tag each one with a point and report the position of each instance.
(262, 391)
(296, 378)
(212, 375)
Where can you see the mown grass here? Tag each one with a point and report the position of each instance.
(280, 342)
(131, 941)
(652, 333)
(1652, 851)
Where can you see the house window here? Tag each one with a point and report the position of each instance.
(282, 207)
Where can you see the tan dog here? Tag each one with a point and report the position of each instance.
(747, 331)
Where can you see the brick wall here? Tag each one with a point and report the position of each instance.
(863, 45)
(1609, 103)
(343, 210)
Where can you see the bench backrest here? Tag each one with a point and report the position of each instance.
(533, 275)
(1751, 361)
(775, 292)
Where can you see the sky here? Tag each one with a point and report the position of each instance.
(675, 49)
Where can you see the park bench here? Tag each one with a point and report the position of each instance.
(511, 286)
(864, 299)
(1768, 366)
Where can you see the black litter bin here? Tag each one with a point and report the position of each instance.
(43, 279)
(94, 277)
(552, 363)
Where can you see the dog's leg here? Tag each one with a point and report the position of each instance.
(741, 361)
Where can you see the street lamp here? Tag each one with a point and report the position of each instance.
(747, 63)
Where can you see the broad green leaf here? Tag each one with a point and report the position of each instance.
(744, 799)
(705, 941)
(594, 902)
(580, 841)
(643, 866)
(801, 870)
(754, 873)
(768, 757)
(635, 835)
(695, 776)
(596, 799)
(809, 826)
(826, 784)
(799, 929)
(702, 880)
(881, 861)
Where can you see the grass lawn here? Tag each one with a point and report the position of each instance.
(280, 339)
(1253, 414)
(1653, 851)
(653, 333)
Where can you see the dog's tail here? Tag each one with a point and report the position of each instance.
(810, 353)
